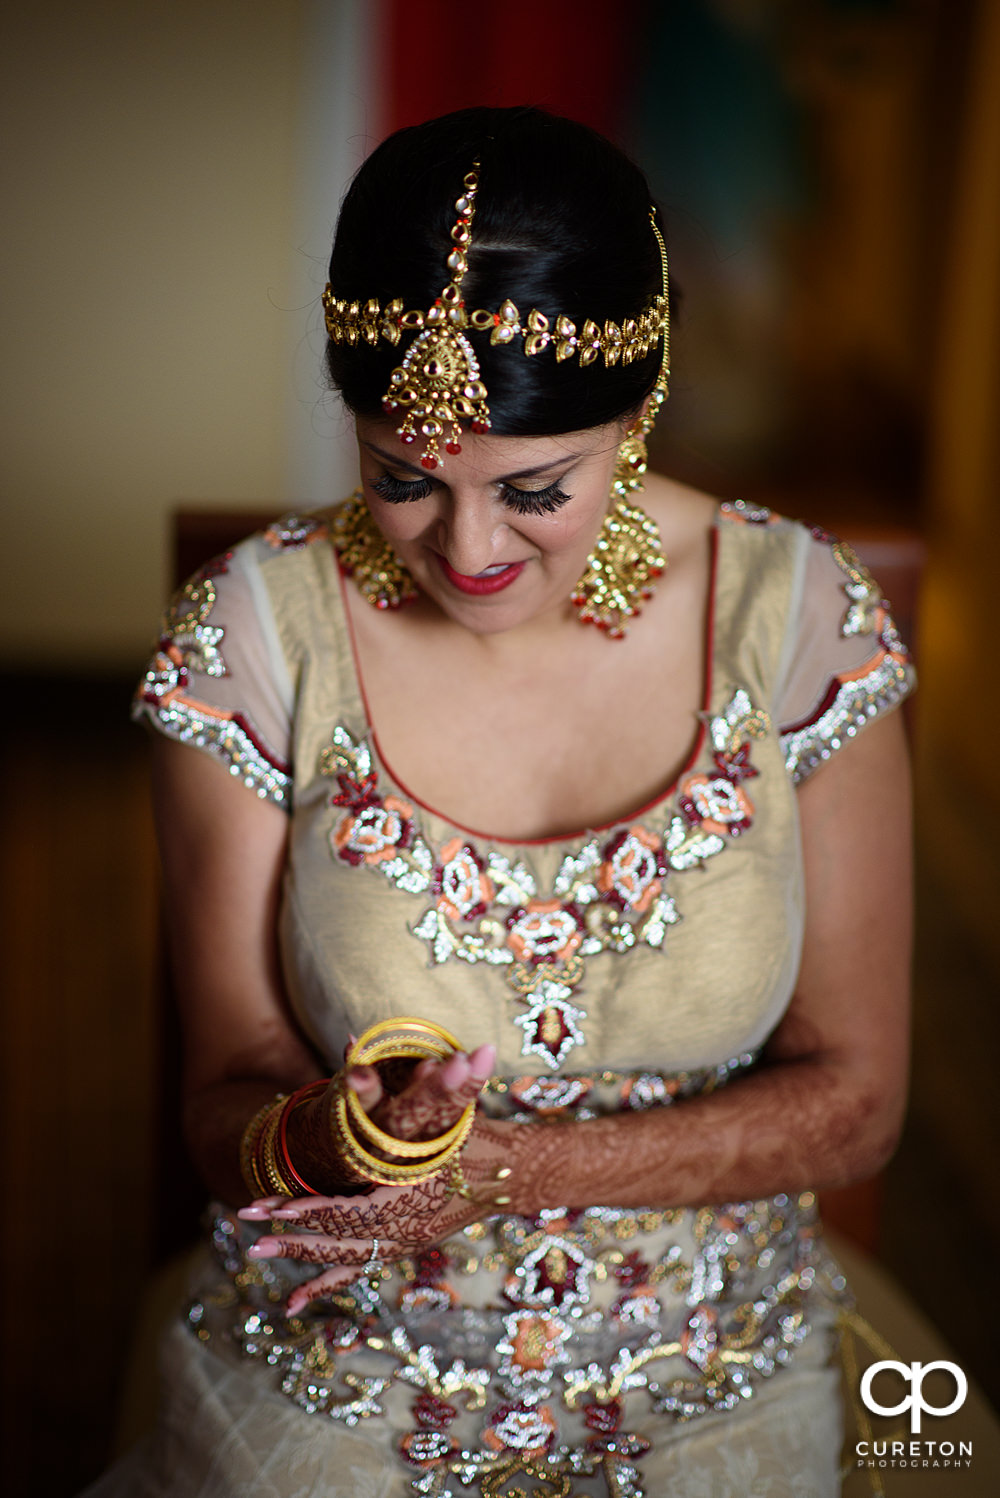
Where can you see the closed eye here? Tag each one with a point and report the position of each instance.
(534, 501)
(398, 491)
(523, 501)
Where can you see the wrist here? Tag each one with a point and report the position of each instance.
(311, 1152)
(491, 1173)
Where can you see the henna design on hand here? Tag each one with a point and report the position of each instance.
(434, 1097)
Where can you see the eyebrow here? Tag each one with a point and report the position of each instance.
(521, 473)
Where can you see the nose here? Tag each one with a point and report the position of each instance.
(469, 534)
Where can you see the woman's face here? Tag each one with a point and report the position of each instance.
(499, 535)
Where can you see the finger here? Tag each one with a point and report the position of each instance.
(431, 1104)
(326, 1283)
(364, 1080)
(368, 1221)
(482, 1062)
(314, 1248)
(364, 1206)
(261, 1209)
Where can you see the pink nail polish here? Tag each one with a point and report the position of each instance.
(454, 1071)
(263, 1250)
(482, 1062)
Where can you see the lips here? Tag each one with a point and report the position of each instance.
(490, 581)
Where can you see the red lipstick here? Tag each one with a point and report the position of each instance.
(483, 582)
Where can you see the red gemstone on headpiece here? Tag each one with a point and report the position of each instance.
(453, 447)
(480, 426)
(407, 437)
(427, 461)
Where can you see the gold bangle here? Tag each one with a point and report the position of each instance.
(390, 1040)
(406, 1149)
(368, 1166)
(249, 1143)
(267, 1155)
(419, 1037)
(387, 1172)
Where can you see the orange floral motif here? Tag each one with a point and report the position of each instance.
(461, 883)
(528, 1429)
(374, 833)
(537, 1342)
(717, 803)
(427, 1448)
(544, 931)
(631, 875)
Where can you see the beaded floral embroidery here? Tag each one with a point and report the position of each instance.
(853, 697)
(593, 1319)
(609, 896)
(190, 645)
(294, 531)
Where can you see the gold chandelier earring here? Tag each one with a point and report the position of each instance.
(627, 558)
(366, 556)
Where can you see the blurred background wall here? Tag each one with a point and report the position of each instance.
(172, 174)
(831, 173)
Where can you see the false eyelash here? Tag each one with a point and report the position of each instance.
(534, 501)
(523, 501)
(397, 491)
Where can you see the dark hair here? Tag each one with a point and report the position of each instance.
(561, 224)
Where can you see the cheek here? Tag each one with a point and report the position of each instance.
(401, 522)
(571, 530)
(396, 522)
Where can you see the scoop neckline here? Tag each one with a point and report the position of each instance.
(582, 834)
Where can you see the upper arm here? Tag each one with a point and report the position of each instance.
(851, 1005)
(223, 850)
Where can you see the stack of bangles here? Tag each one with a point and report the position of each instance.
(264, 1158)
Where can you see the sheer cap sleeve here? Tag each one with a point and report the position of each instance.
(844, 662)
(218, 678)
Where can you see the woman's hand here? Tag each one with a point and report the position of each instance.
(340, 1231)
(435, 1097)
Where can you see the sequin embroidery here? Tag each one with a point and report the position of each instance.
(852, 698)
(592, 1319)
(608, 896)
(189, 644)
(294, 531)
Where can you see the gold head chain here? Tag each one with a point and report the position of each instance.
(438, 384)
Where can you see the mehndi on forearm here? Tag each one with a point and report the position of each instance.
(791, 1127)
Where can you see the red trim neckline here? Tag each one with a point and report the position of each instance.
(564, 837)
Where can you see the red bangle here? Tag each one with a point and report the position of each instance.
(304, 1094)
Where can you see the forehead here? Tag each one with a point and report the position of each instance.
(487, 453)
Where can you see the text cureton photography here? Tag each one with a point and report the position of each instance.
(924, 1452)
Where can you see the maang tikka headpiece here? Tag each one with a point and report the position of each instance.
(438, 385)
